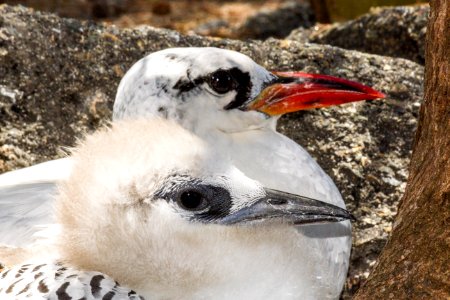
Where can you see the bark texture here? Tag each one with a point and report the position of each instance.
(415, 263)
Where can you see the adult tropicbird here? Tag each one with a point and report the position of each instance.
(169, 217)
(234, 103)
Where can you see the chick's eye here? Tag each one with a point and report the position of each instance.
(192, 200)
(221, 82)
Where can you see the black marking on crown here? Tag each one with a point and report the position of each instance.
(61, 292)
(172, 56)
(162, 110)
(243, 86)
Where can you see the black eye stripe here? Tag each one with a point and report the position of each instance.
(185, 85)
(243, 89)
(218, 199)
(220, 205)
(243, 86)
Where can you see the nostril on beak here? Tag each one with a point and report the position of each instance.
(277, 201)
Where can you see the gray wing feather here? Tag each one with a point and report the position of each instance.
(26, 200)
(24, 210)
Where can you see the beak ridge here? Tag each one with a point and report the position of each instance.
(289, 208)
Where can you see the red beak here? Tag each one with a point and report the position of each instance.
(294, 91)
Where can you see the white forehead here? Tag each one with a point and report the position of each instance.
(201, 61)
(192, 62)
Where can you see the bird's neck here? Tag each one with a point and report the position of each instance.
(209, 122)
(259, 264)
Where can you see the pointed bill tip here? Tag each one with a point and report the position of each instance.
(289, 208)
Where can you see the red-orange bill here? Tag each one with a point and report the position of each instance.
(294, 91)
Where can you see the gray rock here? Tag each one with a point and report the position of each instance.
(82, 9)
(391, 31)
(278, 22)
(213, 27)
(59, 77)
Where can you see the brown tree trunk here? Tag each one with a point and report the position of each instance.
(415, 263)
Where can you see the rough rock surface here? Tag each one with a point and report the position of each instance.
(78, 8)
(59, 77)
(277, 23)
(391, 31)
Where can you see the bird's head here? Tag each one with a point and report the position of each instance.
(162, 209)
(211, 88)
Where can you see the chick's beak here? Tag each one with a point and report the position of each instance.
(289, 208)
(294, 91)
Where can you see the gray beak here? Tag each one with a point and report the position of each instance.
(289, 208)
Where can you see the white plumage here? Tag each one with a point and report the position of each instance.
(233, 104)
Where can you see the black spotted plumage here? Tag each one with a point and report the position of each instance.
(54, 281)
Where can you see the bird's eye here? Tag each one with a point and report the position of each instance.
(192, 200)
(221, 82)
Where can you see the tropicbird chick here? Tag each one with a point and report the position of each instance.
(166, 215)
(232, 103)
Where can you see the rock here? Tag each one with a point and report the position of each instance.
(106, 8)
(83, 9)
(161, 8)
(391, 31)
(59, 77)
(216, 27)
(301, 34)
(278, 22)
